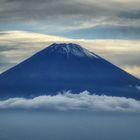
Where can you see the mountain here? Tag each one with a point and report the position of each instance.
(62, 67)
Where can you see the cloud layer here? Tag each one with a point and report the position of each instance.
(68, 101)
(59, 15)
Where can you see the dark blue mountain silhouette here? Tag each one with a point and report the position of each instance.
(62, 67)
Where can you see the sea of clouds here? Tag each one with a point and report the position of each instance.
(68, 101)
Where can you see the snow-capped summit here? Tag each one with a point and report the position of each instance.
(62, 67)
(70, 49)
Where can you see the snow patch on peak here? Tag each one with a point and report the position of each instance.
(71, 48)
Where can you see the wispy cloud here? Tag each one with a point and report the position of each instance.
(16, 46)
(68, 101)
(58, 15)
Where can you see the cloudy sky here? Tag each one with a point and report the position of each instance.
(60, 16)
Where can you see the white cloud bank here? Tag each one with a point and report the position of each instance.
(68, 101)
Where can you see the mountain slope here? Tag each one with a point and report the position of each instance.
(62, 67)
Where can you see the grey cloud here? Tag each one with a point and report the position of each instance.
(106, 32)
(134, 14)
(64, 12)
(130, 59)
(43, 9)
(68, 101)
(3, 34)
(5, 48)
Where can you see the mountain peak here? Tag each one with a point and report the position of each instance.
(70, 49)
(63, 67)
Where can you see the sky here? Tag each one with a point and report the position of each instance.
(64, 16)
